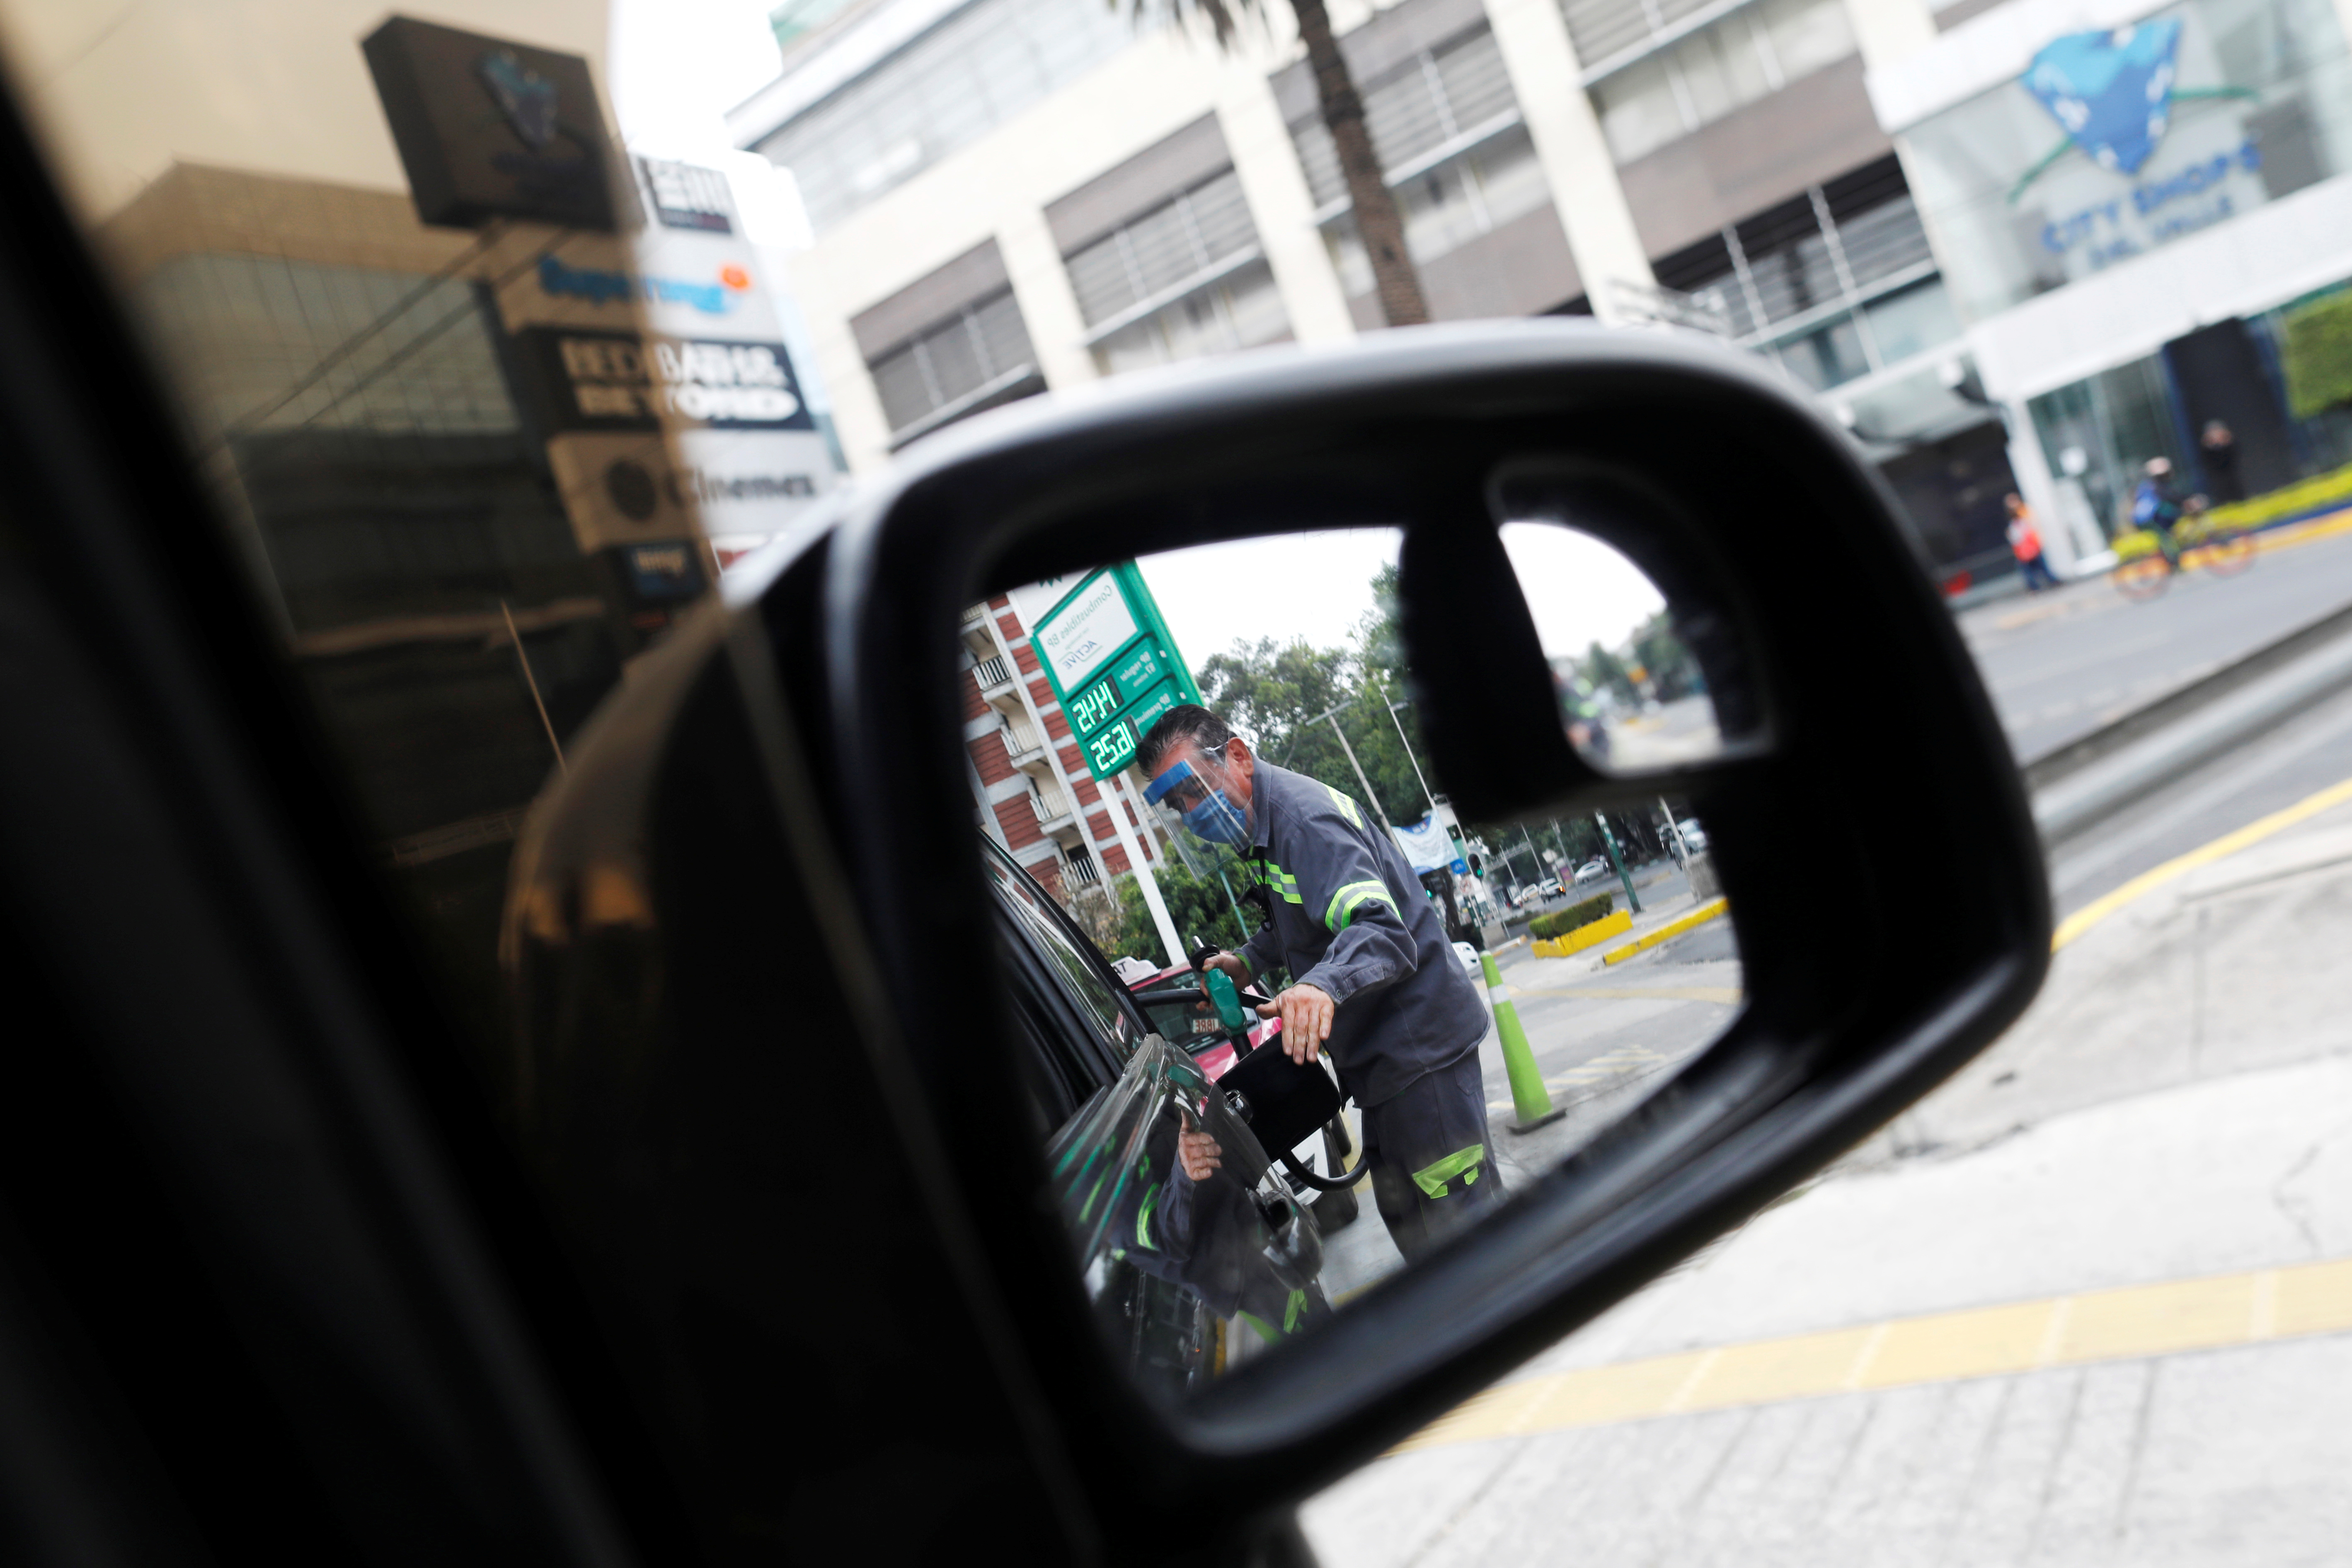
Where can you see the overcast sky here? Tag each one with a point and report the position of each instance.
(1317, 587)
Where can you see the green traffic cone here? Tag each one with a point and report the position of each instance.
(1530, 1098)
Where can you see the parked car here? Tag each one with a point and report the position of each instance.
(1693, 834)
(1173, 1282)
(1194, 1025)
(1591, 871)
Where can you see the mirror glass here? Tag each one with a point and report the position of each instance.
(1212, 827)
(1631, 694)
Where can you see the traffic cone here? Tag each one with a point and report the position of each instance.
(1530, 1098)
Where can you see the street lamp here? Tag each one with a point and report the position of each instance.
(1333, 715)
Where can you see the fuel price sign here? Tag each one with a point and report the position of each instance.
(1114, 667)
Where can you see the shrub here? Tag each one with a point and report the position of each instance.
(1561, 922)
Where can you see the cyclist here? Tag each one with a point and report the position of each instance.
(2157, 504)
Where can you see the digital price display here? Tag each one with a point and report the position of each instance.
(1153, 704)
(1091, 708)
(1110, 750)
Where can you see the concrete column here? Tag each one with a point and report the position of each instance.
(1048, 304)
(1275, 185)
(858, 416)
(1545, 75)
(1889, 32)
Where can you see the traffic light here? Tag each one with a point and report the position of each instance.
(1477, 865)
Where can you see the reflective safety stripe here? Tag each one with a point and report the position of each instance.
(1282, 881)
(1500, 993)
(1294, 1311)
(1344, 903)
(1464, 1162)
(1264, 1330)
(1347, 807)
(1143, 1219)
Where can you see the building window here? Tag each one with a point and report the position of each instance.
(957, 367)
(1834, 283)
(1450, 206)
(946, 90)
(1671, 90)
(1440, 101)
(1080, 870)
(1181, 280)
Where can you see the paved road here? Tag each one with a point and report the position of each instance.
(2060, 664)
(2091, 1302)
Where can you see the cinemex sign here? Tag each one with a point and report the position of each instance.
(590, 379)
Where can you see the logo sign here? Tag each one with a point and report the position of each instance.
(686, 195)
(662, 572)
(489, 128)
(714, 296)
(592, 380)
(628, 487)
(1081, 636)
(2111, 91)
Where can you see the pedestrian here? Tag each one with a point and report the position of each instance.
(1373, 979)
(2025, 544)
(2219, 448)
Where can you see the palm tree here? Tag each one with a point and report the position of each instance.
(1396, 283)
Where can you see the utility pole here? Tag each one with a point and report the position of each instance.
(1409, 756)
(1633, 899)
(1682, 845)
(1371, 799)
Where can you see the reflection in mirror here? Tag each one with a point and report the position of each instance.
(1633, 698)
(1215, 842)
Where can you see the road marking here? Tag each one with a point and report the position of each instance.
(2138, 1322)
(1727, 995)
(2228, 844)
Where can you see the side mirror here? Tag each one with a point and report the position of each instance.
(1819, 669)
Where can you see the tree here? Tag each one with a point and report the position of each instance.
(1396, 282)
(1115, 917)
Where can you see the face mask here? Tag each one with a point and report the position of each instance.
(1213, 819)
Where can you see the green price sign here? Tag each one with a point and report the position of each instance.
(1090, 708)
(1112, 663)
(1110, 750)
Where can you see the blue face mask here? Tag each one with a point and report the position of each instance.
(1213, 819)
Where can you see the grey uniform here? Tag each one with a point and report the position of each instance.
(1352, 920)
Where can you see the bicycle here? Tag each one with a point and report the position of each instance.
(2145, 566)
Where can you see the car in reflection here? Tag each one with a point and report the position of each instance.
(1190, 1020)
(1188, 1278)
(1592, 870)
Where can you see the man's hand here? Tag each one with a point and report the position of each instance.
(1232, 964)
(1197, 1152)
(1305, 1013)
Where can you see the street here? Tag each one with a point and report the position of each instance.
(2090, 1303)
(2060, 664)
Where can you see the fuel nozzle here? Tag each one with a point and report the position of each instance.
(1219, 987)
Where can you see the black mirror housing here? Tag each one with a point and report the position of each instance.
(1866, 985)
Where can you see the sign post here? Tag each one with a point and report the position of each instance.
(1114, 667)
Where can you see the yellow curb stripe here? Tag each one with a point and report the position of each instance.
(1727, 995)
(2228, 844)
(1671, 929)
(2136, 1322)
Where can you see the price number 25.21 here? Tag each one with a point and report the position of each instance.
(1110, 750)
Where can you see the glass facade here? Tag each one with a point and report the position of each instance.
(2255, 102)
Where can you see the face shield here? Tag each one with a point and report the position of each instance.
(1199, 795)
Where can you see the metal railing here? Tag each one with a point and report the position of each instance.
(994, 671)
(1082, 870)
(974, 615)
(1021, 737)
(1052, 805)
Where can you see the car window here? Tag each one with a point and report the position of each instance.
(1079, 968)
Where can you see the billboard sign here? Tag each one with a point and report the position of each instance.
(490, 129)
(590, 379)
(1112, 664)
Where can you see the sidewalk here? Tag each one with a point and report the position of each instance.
(2176, 1108)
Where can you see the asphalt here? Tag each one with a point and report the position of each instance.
(2059, 665)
